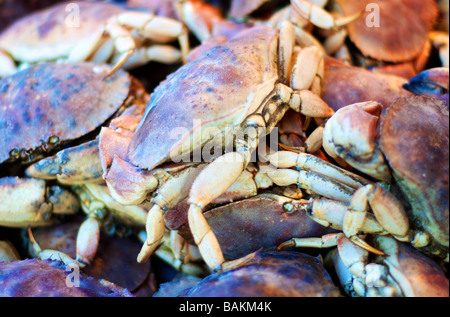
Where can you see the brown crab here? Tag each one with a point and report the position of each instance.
(416, 207)
(40, 114)
(90, 31)
(392, 36)
(218, 89)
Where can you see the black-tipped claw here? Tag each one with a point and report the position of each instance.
(432, 83)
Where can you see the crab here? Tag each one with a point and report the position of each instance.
(248, 82)
(44, 131)
(110, 262)
(47, 278)
(245, 226)
(91, 31)
(402, 271)
(415, 209)
(270, 274)
(382, 31)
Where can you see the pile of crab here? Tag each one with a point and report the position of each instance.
(248, 148)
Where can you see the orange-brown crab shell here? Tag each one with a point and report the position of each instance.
(227, 79)
(402, 32)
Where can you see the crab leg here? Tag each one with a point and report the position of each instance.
(388, 211)
(319, 16)
(326, 241)
(312, 181)
(169, 195)
(155, 28)
(353, 218)
(96, 203)
(439, 39)
(28, 202)
(50, 254)
(432, 82)
(7, 65)
(165, 253)
(76, 165)
(305, 161)
(8, 252)
(198, 16)
(227, 168)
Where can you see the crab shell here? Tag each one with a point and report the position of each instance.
(402, 31)
(231, 82)
(38, 278)
(245, 226)
(271, 274)
(47, 35)
(415, 141)
(54, 103)
(417, 274)
(344, 85)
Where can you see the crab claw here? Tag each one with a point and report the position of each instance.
(351, 134)
(433, 82)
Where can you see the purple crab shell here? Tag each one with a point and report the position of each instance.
(46, 278)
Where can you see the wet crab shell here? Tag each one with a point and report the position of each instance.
(49, 34)
(52, 103)
(220, 89)
(402, 31)
(271, 274)
(37, 278)
(260, 222)
(420, 160)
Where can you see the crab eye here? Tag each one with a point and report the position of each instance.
(54, 139)
(14, 153)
